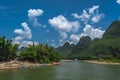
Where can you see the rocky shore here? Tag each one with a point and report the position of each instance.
(19, 64)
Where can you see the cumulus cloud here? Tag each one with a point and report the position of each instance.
(93, 32)
(88, 30)
(33, 14)
(24, 33)
(62, 24)
(89, 15)
(118, 1)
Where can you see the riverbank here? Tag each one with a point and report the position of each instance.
(66, 60)
(101, 62)
(19, 64)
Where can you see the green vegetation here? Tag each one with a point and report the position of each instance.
(82, 45)
(105, 49)
(40, 54)
(113, 31)
(33, 53)
(65, 50)
(7, 49)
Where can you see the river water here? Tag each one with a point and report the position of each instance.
(69, 70)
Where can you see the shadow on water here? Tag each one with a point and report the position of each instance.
(70, 70)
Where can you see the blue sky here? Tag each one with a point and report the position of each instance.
(56, 21)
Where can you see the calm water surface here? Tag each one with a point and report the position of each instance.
(72, 70)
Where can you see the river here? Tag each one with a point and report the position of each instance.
(69, 70)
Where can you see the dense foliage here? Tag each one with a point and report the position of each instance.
(105, 48)
(7, 49)
(33, 53)
(40, 54)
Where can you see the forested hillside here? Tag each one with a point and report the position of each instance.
(107, 48)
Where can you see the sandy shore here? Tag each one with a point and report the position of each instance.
(101, 62)
(18, 64)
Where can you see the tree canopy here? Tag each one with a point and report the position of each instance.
(40, 54)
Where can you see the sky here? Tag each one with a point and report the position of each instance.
(54, 22)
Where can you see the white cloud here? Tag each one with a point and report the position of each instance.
(75, 38)
(93, 32)
(118, 1)
(17, 40)
(89, 15)
(33, 14)
(27, 43)
(96, 18)
(91, 10)
(62, 24)
(75, 26)
(83, 17)
(25, 33)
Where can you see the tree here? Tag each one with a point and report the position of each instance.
(7, 49)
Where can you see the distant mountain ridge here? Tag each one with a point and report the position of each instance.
(113, 30)
(83, 44)
(65, 50)
(108, 47)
